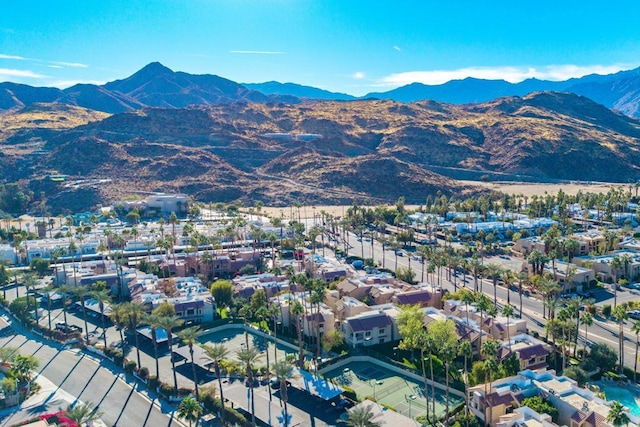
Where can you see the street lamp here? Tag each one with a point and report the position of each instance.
(410, 398)
(375, 382)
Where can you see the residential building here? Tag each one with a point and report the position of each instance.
(577, 406)
(369, 328)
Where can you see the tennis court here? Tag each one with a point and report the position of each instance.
(401, 392)
(233, 339)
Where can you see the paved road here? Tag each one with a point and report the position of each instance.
(602, 331)
(89, 380)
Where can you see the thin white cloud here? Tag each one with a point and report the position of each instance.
(397, 48)
(69, 64)
(256, 52)
(510, 74)
(9, 72)
(54, 66)
(14, 57)
(358, 75)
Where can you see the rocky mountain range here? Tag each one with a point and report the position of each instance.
(245, 145)
(619, 91)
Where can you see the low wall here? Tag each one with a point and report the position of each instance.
(252, 330)
(387, 366)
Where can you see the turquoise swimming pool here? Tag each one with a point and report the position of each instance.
(629, 396)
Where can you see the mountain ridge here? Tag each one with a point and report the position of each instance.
(156, 85)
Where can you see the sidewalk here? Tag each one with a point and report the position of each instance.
(49, 399)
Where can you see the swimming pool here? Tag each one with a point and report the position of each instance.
(629, 396)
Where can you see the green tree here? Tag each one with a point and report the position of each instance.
(189, 337)
(490, 350)
(169, 323)
(587, 321)
(82, 414)
(218, 353)
(494, 271)
(541, 406)
(620, 313)
(190, 410)
(153, 321)
(635, 328)
(118, 316)
(297, 311)
(283, 370)
(508, 311)
(249, 356)
(444, 338)
(135, 313)
(103, 298)
(222, 292)
(363, 416)
(165, 309)
(23, 366)
(576, 373)
(40, 266)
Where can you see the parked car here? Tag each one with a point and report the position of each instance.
(399, 253)
(67, 329)
(634, 314)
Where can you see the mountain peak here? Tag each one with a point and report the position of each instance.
(153, 69)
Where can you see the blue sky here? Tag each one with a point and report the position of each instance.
(348, 46)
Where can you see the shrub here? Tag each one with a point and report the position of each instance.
(153, 382)
(601, 356)
(541, 406)
(350, 393)
(167, 390)
(143, 373)
(114, 354)
(606, 310)
(129, 366)
(576, 373)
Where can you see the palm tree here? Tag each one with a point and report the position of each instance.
(523, 277)
(466, 351)
(217, 352)
(24, 365)
(168, 323)
(189, 409)
(616, 265)
(482, 304)
(189, 337)
(47, 291)
(297, 310)
(153, 321)
(30, 282)
(564, 315)
(467, 298)
(283, 370)
(620, 313)
(249, 356)
(508, 311)
(617, 415)
(587, 321)
(81, 292)
(490, 350)
(135, 312)
(103, 298)
(82, 414)
(494, 270)
(363, 416)
(636, 329)
(119, 318)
